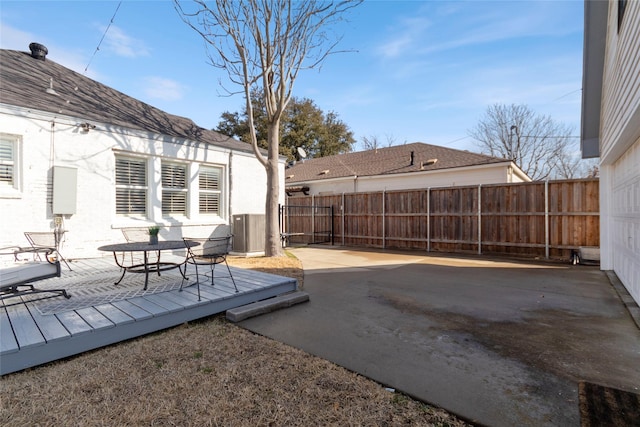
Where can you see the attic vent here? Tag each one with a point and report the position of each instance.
(38, 51)
(428, 163)
(324, 172)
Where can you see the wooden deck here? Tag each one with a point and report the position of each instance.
(99, 314)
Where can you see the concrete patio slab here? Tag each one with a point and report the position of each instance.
(498, 342)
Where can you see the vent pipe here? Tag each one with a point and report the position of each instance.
(412, 157)
(38, 51)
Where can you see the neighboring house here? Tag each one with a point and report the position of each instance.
(400, 167)
(82, 157)
(611, 130)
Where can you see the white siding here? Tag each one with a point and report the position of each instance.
(93, 154)
(620, 122)
(620, 149)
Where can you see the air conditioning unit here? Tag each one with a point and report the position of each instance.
(248, 233)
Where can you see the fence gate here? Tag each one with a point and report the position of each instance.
(306, 224)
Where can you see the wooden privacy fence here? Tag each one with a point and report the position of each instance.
(542, 219)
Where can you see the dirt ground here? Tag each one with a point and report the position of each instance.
(206, 373)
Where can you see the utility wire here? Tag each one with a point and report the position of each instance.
(102, 39)
(567, 94)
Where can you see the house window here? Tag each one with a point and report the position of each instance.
(209, 180)
(174, 189)
(131, 186)
(8, 161)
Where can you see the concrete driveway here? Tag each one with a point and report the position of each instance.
(498, 342)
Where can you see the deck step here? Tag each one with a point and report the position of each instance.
(266, 306)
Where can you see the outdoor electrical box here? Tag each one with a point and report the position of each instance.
(65, 190)
(248, 233)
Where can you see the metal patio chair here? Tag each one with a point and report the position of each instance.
(209, 251)
(139, 234)
(41, 241)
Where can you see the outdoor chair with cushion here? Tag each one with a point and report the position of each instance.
(16, 278)
(209, 252)
(41, 241)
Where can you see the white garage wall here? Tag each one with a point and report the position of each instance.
(620, 149)
(625, 219)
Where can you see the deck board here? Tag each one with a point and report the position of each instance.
(138, 311)
(113, 313)
(8, 343)
(73, 323)
(94, 318)
(24, 327)
(49, 326)
(29, 338)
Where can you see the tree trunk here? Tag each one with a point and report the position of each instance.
(273, 246)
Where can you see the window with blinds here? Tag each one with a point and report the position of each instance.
(174, 189)
(7, 161)
(209, 183)
(131, 186)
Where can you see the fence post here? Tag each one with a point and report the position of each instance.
(428, 219)
(384, 235)
(313, 219)
(342, 210)
(546, 219)
(479, 219)
(333, 238)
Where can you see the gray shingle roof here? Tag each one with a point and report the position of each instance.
(24, 81)
(385, 161)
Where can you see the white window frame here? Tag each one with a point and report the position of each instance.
(130, 187)
(13, 189)
(208, 191)
(175, 189)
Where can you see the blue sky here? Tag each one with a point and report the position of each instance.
(417, 71)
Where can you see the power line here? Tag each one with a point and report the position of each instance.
(103, 36)
(567, 94)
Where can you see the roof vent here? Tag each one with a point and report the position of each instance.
(38, 51)
(428, 163)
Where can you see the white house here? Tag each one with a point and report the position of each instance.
(400, 167)
(611, 130)
(79, 156)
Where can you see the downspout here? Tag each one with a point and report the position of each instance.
(355, 183)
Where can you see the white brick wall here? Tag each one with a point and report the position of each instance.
(93, 154)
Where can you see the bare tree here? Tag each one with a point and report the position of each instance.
(262, 45)
(536, 143)
(372, 142)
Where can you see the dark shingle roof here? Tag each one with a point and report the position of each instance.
(385, 161)
(24, 81)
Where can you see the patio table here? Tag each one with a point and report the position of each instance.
(146, 267)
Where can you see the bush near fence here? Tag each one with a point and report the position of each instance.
(539, 219)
